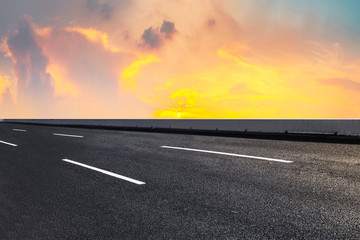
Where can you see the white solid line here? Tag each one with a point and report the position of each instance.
(105, 172)
(67, 135)
(7, 143)
(230, 154)
(19, 130)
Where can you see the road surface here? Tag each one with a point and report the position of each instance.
(70, 183)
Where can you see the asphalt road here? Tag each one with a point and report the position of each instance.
(104, 184)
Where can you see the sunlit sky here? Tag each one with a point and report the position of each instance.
(179, 59)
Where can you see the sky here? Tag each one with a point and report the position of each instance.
(179, 59)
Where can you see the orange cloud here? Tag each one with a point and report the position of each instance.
(61, 88)
(67, 72)
(5, 85)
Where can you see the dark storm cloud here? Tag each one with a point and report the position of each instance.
(29, 62)
(104, 9)
(168, 28)
(154, 38)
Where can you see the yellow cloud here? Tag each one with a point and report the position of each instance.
(130, 74)
(95, 36)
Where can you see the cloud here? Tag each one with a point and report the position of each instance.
(5, 86)
(211, 22)
(86, 69)
(7, 104)
(341, 82)
(230, 60)
(67, 72)
(30, 64)
(94, 35)
(130, 74)
(154, 38)
(168, 28)
(104, 9)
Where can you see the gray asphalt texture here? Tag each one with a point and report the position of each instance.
(187, 195)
